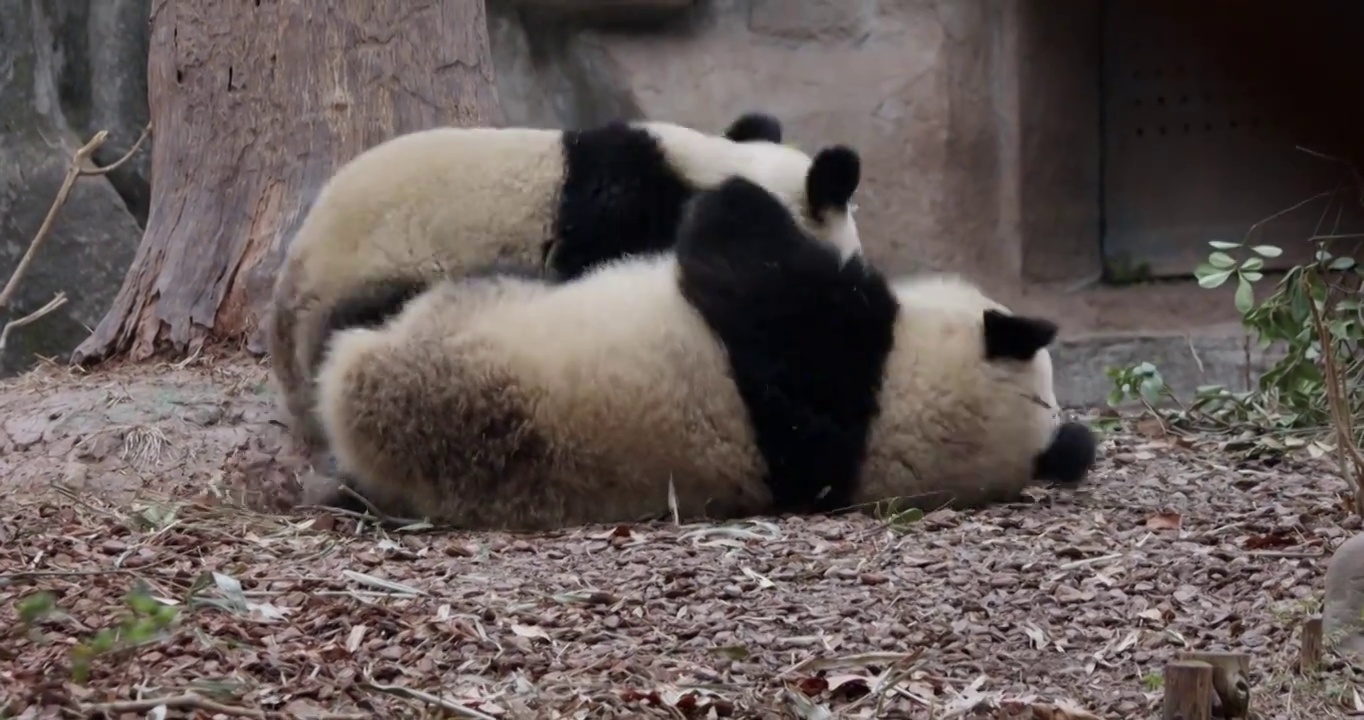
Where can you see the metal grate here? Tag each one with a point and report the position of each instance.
(1200, 143)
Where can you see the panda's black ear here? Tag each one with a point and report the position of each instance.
(1015, 337)
(832, 179)
(754, 126)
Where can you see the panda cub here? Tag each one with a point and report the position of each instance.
(751, 369)
(440, 201)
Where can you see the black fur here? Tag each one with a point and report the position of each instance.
(833, 177)
(370, 304)
(1069, 457)
(373, 303)
(620, 197)
(755, 126)
(807, 338)
(1015, 337)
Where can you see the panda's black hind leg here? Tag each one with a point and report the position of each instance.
(1069, 457)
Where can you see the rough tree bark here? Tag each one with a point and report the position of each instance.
(254, 104)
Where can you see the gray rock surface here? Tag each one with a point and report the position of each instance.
(1343, 608)
(116, 93)
(547, 76)
(95, 236)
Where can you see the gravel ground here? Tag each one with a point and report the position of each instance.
(126, 485)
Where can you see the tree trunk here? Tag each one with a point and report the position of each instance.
(254, 104)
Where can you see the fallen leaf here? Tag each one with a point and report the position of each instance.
(733, 652)
(813, 685)
(1164, 521)
(529, 631)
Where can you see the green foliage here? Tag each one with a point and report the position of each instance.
(1141, 381)
(1291, 401)
(148, 621)
(35, 607)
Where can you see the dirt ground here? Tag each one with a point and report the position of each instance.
(1064, 607)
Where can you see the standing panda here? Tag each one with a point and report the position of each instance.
(751, 368)
(437, 201)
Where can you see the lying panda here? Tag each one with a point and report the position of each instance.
(439, 201)
(751, 368)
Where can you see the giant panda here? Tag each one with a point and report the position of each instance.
(437, 201)
(751, 369)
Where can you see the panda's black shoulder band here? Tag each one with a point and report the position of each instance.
(806, 337)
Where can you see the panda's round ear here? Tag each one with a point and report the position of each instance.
(754, 126)
(832, 178)
(1016, 337)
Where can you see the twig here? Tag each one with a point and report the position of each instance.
(1285, 555)
(12, 325)
(457, 709)
(188, 700)
(77, 169)
(373, 512)
(1351, 463)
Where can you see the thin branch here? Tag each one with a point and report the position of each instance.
(77, 169)
(56, 302)
(457, 709)
(186, 701)
(372, 513)
(1348, 455)
(98, 171)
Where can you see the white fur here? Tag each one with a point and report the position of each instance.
(442, 200)
(949, 418)
(618, 376)
(610, 389)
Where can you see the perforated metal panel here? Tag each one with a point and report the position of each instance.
(1200, 127)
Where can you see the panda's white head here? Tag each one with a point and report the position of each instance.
(1000, 359)
(817, 190)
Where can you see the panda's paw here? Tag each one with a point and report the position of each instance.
(1072, 453)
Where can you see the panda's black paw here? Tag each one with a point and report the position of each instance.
(1067, 460)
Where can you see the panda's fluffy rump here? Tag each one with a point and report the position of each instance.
(954, 427)
(377, 219)
(576, 405)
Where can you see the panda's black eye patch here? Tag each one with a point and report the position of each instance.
(1014, 337)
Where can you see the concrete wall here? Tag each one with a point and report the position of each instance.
(978, 122)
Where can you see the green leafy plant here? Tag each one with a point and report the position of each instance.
(147, 621)
(1313, 396)
(1139, 382)
(1221, 267)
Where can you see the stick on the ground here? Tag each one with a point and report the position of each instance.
(186, 701)
(450, 706)
(1309, 652)
(78, 169)
(1230, 680)
(1188, 691)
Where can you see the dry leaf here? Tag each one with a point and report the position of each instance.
(1164, 521)
(529, 631)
